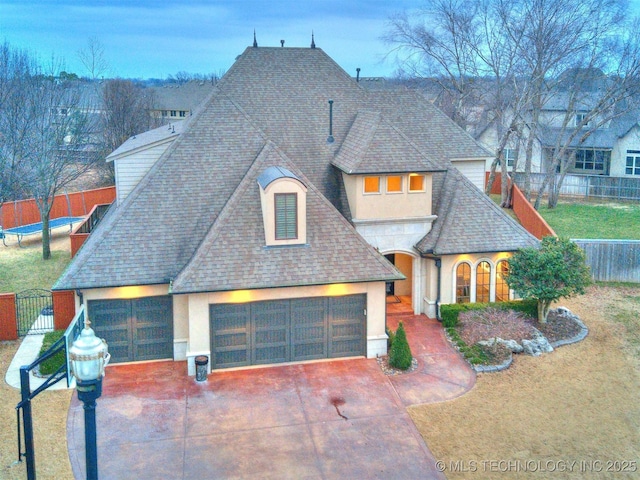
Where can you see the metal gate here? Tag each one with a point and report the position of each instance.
(34, 312)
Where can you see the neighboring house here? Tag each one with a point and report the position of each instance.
(259, 234)
(134, 158)
(611, 148)
(177, 101)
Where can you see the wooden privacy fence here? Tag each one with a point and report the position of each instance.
(77, 204)
(528, 216)
(64, 308)
(612, 260)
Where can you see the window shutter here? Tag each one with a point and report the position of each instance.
(286, 216)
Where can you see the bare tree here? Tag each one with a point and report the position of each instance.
(435, 42)
(55, 146)
(16, 68)
(602, 87)
(93, 58)
(463, 46)
(184, 77)
(126, 111)
(521, 48)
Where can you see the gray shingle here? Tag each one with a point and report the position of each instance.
(374, 146)
(195, 205)
(235, 248)
(470, 222)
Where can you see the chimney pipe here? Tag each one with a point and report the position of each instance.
(282, 43)
(330, 137)
(358, 74)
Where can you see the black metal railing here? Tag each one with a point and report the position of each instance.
(94, 218)
(25, 427)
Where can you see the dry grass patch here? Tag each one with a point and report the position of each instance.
(23, 267)
(579, 403)
(50, 410)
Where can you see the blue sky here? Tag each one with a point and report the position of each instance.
(144, 39)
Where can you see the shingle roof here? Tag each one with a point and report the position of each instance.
(426, 126)
(470, 222)
(235, 246)
(374, 146)
(275, 101)
(157, 135)
(185, 96)
(156, 230)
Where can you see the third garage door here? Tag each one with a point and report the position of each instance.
(278, 331)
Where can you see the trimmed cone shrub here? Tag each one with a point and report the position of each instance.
(400, 353)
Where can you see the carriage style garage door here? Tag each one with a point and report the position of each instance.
(279, 331)
(136, 329)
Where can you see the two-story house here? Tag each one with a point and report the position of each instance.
(606, 144)
(262, 230)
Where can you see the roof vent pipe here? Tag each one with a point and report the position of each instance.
(282, 43)
(358, 74)
(330, 137)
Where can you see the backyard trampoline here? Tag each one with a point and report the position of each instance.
(34, 228)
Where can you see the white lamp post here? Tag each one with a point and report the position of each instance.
(88, 356)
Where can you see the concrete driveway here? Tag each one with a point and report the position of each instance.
(334, 419)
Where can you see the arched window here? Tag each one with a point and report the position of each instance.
(483, 282)
(463, 283)
(502, 289)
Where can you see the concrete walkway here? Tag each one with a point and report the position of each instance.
(26, 354)
(329, 419)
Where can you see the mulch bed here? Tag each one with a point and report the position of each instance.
(558, 327)
(477, 325)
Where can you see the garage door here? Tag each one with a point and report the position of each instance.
(279, 331)
(135, 329)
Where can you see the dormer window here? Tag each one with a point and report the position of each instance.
(284, 207)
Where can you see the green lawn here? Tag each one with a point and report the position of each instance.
(24, 268)
(605, 220)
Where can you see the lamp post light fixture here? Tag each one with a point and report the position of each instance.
(88, 356)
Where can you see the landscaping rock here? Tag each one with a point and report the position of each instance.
(537, 346)
(511, 345)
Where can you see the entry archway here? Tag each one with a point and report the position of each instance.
(405, 291)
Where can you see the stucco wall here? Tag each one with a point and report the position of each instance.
(198, 305)
(449, 265)
(385, 205)
(191, 312)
